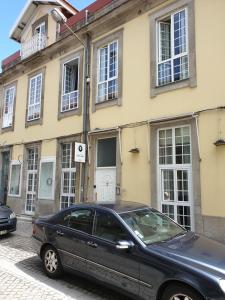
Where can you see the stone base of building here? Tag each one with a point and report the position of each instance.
(24, 226)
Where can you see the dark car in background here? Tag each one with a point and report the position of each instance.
(133, 248)
(7, 220)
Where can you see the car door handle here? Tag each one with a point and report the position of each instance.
(59, 232)
(92, 244)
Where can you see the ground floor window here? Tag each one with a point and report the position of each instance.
(68, 175)
(175, 174)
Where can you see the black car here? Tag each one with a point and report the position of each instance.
(133, 248)
(7, 220)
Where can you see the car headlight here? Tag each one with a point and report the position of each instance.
(222, 285)
(12, 215)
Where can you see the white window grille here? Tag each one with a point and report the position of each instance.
(173, 61)
(175, 174)
(8, 107)
(107, 85)
(34, 100)
(68, 176)
(70, 92)
(32, 173)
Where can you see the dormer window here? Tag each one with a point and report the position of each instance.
(38, 40)
(40, 29)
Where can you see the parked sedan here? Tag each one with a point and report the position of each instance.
(133, 248)
(7, 220)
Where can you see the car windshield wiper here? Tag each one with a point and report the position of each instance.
(172, 237)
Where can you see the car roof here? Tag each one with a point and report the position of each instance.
(118, 206)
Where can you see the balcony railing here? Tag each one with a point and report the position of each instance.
(36, 43)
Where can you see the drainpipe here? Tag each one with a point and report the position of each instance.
(86, 116)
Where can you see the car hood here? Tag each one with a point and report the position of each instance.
(196, 251)
(4, 212)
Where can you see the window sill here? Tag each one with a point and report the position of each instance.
(33, 122)
(156, 90)
(7, 129)
(69, 113)
(106, 103)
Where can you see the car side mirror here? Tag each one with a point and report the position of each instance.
(124, 245)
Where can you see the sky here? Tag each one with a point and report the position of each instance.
(9, 12)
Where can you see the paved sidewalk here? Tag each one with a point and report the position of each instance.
(22, 277)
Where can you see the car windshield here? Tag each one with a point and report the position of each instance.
(151, 226)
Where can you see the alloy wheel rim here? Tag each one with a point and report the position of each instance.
(180, 297)
(51, 261)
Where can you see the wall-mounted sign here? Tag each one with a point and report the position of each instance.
(80, 152)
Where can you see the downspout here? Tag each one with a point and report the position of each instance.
(86, 116)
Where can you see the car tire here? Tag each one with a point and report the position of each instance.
(51, 262)
(180, 292)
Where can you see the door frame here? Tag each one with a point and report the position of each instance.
(92, 147)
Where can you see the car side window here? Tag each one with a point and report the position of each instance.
(109, 228)
(80, 219)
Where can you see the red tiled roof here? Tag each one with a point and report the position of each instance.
(7, 61)
(92, 8)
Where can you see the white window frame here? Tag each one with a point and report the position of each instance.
(116, 77)
(69, 170)
(63, 85)
(5, 118)
(173, 56)
(35, 92)
(47, 160)
(42, 24)
(175, 167)
(15, 163)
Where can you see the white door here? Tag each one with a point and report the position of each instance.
(105, 172)
(106, 184)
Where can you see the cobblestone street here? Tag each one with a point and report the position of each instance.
(21, 277)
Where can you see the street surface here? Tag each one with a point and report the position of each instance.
(22, 277)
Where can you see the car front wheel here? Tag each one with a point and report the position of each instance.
(51, 262)
(180, 292)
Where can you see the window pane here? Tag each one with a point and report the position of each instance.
(168, 185)
(113, 60)
(165, 147)
(180, 32)
(103, 64)
(164, 73)
(182, 185)
(181, 68)
(15, 180)
(108, 228)
(184, 216)
(106, 152)
(113, 89)
(165, 40)
(46, 180)
(82, 220)
(183, 145)
(102, 92)
(168, 210)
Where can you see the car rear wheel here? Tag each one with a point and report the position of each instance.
(51, 262)
(180, 292)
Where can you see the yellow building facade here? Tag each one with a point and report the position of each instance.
(142, 90)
